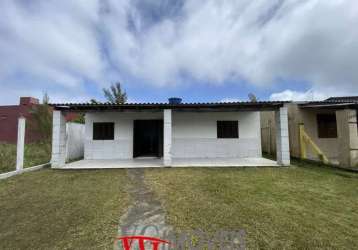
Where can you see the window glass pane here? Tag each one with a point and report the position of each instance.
(103, 131)
(227, 129)
(327, 125)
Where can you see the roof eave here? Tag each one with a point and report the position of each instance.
(329, 105)
(182, 107)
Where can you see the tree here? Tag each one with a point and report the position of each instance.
(115, 94)
(45, 99)
(80, 118)
(41, 121)
(252, 97)
(94, 101)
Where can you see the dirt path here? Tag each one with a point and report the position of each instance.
(146, 216)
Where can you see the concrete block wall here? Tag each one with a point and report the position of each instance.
(297, 116)
(347, 138)
(282, 137)
(328, 145)
(195, 135)
(168, 125)
(353, 132)
(75, 133)
(268, 132)
(212, 148)
(122, 145)
(58, 158)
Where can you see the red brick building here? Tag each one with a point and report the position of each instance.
(9, 117)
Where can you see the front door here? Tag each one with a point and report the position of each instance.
(148, 138)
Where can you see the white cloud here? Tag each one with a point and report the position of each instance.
(49, 45)
(290, 95)
(259, 41)
(60, 45)
(314, 94)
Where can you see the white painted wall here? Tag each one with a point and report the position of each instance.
(58, 158)
(194, 135)
(122, 145)
(75, 135)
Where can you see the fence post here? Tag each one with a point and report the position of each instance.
(20, 143)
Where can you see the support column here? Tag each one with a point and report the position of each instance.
(167, 158)
(282, 139)
(58, 158)
(347, 137)
(20, 143)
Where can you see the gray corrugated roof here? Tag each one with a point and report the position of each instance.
(194, 105)
(343, 99)
(334, 102)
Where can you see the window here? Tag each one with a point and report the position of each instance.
(227, 129)
(357, 119)
(103, 131)
(327, 125)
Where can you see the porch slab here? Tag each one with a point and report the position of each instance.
(156, 162)
(224, 162)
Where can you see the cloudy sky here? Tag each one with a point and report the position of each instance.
(198, 50)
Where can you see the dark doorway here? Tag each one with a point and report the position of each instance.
(148, 138)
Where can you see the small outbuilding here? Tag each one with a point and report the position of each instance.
(319, 130)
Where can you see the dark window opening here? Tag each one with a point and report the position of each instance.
(357, 120)
(103, 131)
(227, 129)
(327, 125)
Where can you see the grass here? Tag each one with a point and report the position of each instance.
(35, 154)
(54, 209)
(302, 207)
(7, 157)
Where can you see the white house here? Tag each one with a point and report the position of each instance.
(172, 133)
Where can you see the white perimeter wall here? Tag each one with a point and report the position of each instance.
(194, 135)
(75, 134)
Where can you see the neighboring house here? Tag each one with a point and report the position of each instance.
(171, 131)
(9, 118)
(331, 125)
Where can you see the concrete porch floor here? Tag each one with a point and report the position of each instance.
(156, 162)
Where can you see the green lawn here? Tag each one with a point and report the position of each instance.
(56, 209)
(305, 207)
(279, 208)
(35, 154)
